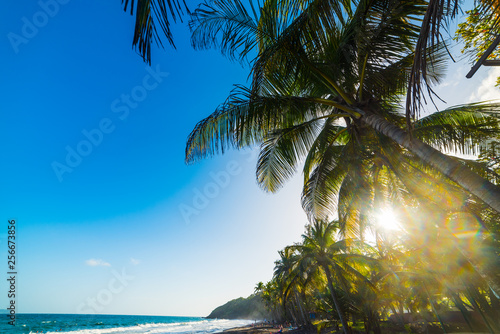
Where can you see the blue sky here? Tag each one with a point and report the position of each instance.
(128, 228)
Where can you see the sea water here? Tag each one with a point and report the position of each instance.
(110, 324)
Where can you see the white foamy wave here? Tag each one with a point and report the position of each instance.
(194, 327)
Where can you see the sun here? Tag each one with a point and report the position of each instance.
(388, 220)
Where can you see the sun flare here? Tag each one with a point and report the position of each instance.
(388, 220)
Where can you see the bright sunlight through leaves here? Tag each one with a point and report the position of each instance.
(388, 220)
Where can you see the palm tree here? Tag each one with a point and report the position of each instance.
(320, 250)
(320, 63)
(430, 266)
(358, 171)
(151, 14)
(349, 165)
(285, 271)
(259, 288)
(271, 295)
(422, 270)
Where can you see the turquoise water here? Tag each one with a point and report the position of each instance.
(111, 324)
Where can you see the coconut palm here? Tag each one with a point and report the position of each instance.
(285, 271)
(359, 171)
(153, 14)
(271, 294)
(421, 270)
(336, 259)
(320, 63)
(452, 274)
(259, 287)
(296, 119)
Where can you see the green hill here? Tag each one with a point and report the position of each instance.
(252, 308)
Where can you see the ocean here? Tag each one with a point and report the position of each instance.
(110, 324)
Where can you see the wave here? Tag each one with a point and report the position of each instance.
(193, 327)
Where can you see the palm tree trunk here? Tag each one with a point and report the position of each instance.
(303, 298)
(434, 308)
(290, 310)
(398, 315)
(470, 181)
(345, 328)
(486, 307)
(297, 299)
(474, 303)
(460, 305)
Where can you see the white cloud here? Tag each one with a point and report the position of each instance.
(97, 263)
(487, 91)
(135, 262)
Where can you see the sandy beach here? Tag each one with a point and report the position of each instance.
(263, 329)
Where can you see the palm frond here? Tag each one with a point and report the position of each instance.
(319, 195)
(151, 18)
(226, 25)
(244, 120)
(460, 129)
(429, 37)
(281, 152)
